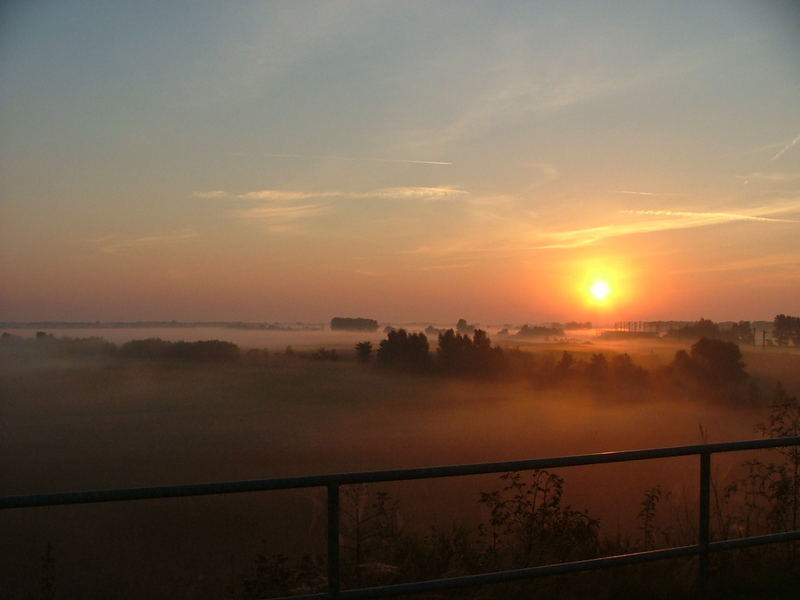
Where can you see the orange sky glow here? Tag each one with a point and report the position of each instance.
(295, 161)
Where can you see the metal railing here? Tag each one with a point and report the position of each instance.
(703, 548)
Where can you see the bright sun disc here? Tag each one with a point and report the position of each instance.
(600, 290)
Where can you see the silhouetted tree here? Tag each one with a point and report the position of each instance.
(562, 369)
(354, 324)
(455, 352)
(324, 354)
(597, 371)
(528, 331)
(719, 360)
(786, 329)
(363, 351)
(464, 328)
(713, 368)
(460, 354)
(703, 328)
(625, 373)
(202, 351)
(403, 350)
(743, 332)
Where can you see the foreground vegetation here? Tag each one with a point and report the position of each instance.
(527, 523)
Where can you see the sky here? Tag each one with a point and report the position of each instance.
(405, 161)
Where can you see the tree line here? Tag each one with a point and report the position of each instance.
(711, 366)
(786, 330)
(216, 351)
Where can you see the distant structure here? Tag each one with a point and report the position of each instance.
(353, 324)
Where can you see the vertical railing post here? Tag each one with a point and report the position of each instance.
(704, 529)
(333, 539)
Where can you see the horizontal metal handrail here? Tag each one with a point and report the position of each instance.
(324, 480)
(332, 483)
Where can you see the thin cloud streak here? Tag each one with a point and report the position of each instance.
(396, 193)
(711, 215)
(778, 261)
(445, 267)
(362, 158)
(416, 193)
(283, 213)
(664, 220)
(277, 195)
(113, 243)
(635, 193)
(211, 194)
(786, 148)
(674, 220)
(771, 177)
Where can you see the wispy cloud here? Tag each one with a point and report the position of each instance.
(666, 220)
(789, 262)
(770, 177)
(786, 148)
(366, 273)
(715, 216)
(512, 93)
(277, 195)
(361, 158)
(265, 195)
(283, 213)
(211, 194)
(545, 171)
(517, 237)
(638, 193)
(114, 243)
(282, 218)
(416, 193)
(445, 267)
(425, 193)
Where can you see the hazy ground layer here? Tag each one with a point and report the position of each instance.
(85, 425)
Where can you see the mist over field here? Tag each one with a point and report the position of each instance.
(88, 422)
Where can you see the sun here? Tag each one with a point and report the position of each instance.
(600, 290)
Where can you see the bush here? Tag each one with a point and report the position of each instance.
(324, 354)
(363, 351)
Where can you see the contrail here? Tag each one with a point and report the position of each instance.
(357, 158)
(786, 147)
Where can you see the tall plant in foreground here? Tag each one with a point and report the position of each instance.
(529, 524)
(784, 421)
(771, 489)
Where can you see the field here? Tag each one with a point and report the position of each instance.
(89, 424)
